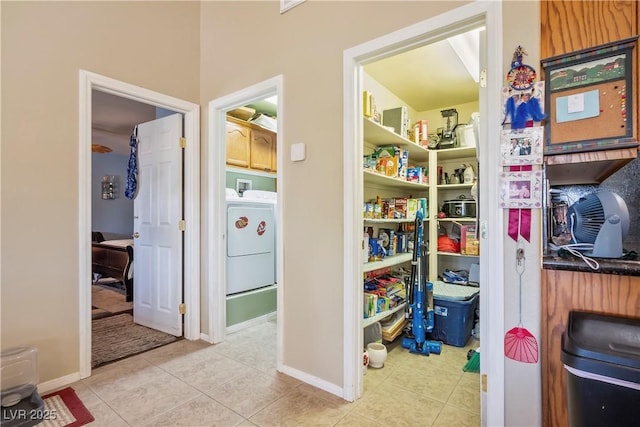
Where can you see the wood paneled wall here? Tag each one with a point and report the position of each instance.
(562, 292)
(567, 26)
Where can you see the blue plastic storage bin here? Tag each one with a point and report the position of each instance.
(453, 320)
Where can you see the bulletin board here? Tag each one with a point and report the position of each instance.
(589, 99)
(609, 123)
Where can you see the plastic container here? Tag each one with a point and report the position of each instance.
(27, 412)
(19, 374)
(453, 320)
(601, 355)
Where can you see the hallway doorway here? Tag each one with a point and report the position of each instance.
(88, 83)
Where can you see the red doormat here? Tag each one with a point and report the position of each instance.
(63, 408)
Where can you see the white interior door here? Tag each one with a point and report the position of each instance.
(157, 273)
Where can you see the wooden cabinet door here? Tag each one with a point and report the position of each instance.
(262, 143)
(562, 292)
(238, 145)
(274, 156)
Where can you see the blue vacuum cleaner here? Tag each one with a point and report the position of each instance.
(418, 287)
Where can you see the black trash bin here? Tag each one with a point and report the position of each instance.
(601, 355)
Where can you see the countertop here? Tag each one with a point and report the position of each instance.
(621, 267)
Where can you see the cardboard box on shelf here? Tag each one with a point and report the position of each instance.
(412, 209)
(469, 243)
(415, 175)
(370, 305)
(401, 208)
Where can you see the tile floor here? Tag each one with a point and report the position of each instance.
(196, 384)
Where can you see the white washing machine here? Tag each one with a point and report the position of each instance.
(251, 240)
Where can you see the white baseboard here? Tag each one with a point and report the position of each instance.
(314, 381)
(205, 337)
(251, 322)
(57, 383)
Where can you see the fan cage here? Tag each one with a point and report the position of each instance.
(586, 218)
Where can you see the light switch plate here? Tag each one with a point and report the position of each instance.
(298, 152)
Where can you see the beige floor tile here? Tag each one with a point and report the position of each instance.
(398, 407)
(455, 417)
(206, 373)
(352, 420)
(113, 380)
(151, 399)
(467, 397)
(201, 411)
(303, 407)
(430, 384)
(104, 416)
(252, 391)
(232, 384)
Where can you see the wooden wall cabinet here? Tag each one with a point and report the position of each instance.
(262, 150)
(562, 292)
(250, 146)
(568, 26)
(238, 143)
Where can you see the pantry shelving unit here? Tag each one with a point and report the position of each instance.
(448, 160)
(376, 184)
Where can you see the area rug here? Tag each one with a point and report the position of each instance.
(116, 337)
(64, 408)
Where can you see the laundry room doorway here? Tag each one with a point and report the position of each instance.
(244, 245)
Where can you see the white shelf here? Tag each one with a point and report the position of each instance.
(389, 221)
(452, 219)
(378, 317)
(456, 153)
(372, 177)
(457, 254)
(454, 186)
(387, 262)
(380, 135)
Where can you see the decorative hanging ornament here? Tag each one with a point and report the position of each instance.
(521, 76)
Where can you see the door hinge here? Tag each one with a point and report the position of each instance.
(484, 382)
(183, 142)
(182, 225)
(182, 308)
(483, 78)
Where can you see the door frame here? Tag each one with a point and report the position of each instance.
(216, 277)
(88, 81)
(491, 219)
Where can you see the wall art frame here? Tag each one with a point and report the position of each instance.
(521, 146)
(589, 99)
(521, 189)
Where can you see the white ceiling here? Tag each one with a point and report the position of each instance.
(113, 119)
(426, 78)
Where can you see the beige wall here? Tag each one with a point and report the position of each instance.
(221, 47)
(523, 386)
(154, 45)
(246, 42)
